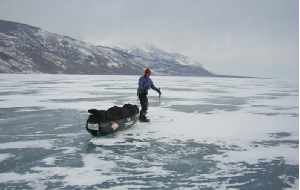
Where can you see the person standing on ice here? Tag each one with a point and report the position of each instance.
(145, 83)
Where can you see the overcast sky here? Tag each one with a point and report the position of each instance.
(231, 37)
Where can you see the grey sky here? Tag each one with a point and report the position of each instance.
(233, 37)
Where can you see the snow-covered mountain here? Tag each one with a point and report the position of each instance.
(28, 49)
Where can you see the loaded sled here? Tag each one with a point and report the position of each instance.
(104, 122)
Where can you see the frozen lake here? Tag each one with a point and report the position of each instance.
(226, 134)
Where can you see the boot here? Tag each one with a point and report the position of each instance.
(142, 117)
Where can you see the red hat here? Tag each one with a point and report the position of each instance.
(148, 71)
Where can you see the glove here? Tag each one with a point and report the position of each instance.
(158, 90)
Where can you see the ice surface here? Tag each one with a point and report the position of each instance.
(226, 133)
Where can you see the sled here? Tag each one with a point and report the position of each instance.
(101, 123)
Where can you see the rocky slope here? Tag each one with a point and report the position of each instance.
(28, 49)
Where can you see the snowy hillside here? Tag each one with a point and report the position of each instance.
(27, 49)
(151, 52)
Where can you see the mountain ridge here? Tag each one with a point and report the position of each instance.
(29, 49)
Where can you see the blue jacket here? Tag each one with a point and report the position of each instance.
(145, 84)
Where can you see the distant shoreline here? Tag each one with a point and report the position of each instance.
(231, 76)
(209, 76)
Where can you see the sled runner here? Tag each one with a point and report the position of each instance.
(104, 122)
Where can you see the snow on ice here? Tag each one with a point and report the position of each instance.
(226, 133)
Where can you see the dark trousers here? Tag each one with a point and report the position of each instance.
(144, 103)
